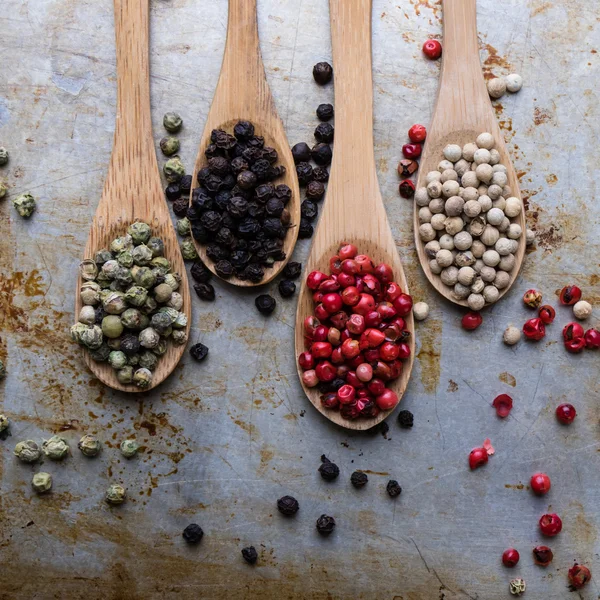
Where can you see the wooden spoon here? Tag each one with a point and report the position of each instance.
(243, 94)
(463, 110)
(133, 190)
(353, 210)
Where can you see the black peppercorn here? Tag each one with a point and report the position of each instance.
(213, 184)
(205, 291)
(324, 112)
(202, 175)
(305, 230)
(173, 191)
(287, 288)
(322, 73)
(216, 252)
(265, 304)
(250, 555)
(249, 228)
(246, 180)
(358, 479)
(185, 184)
(288, 505)
(393, 488)
(274, 228)
(243, 130)
(264, 192)
(193, 533)
(224, 141)
(214, 134)
(229, 181)
(254, 273)
(199, 233)
(321, 154)
(238, 165)
(329, 471)
(256, 210)
(211, 220)
(262, 169)
(324, 132)
(304, 171)
(130, 344)
(321, 174)
(256, 141)
(301, 152)
(222, 199)
(274, 207)
(225, 237)
(199, 352)
(201, 201)
(292, 270)
(270, 154)
(211, 151)
(99, 313)
(200, 272)
(283, 192)
(315, 190)
(309, 210)
(405, 418)
(180, 207)
(251, 155)
(325, 524)
(224, 269)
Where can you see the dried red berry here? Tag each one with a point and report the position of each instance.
(579, 575)
(532, 298)
(547, 314)
(347, 250)
(542, 555)
(503, 405)
(407, 188)
(569, 295)
(477, 458)
(575, 346)
(592, 339)
(550, 524)
(540, 483)
(407, 167)
(572, 331)
(510, 558)
(412, 151)
(472, 320)
(386, 400)
(403, 304)
(417, 133)
(534, 329)
(432, 49)
(566, 413)
(315, 279)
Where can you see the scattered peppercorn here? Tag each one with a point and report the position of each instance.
(3, 156)
(172, 122)
(41, 482)
(193, 534)
(578, 576)
(393, 488)
(325, 524)
(288, 505)
(321, 153)
(56, 448)
(249, 554)
(322, 73)
(320, 174)
(542, 556)
(328, 470)
(292, 270)
(27, 451)
(173, 192)
(324, 112)
(25, 205)
(405, 418)
(407, 188)
(305, 173)
(315, 190)
(180, 207)
(89, 445)
(324, 133)
(265, 304)
(407, 167)
(205, 291)
(115, 494)
(358, 479)
(287, 288)
(200, 272)
(129, 448)
(305, 230)
(199, 352)
(517, 587)
(169, 145)
(301, 152)
(432, 49)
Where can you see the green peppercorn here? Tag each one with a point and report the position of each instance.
(41, 482)
(102, 256)
(176, 301)
(169, 145)
(174, 169)
(125, 375)
(3, 156)
(188, 250)
(4, 423)
(161, 347)
(3, 189)
(115, 494)
(144, 277)
(117, 359)
(114, 303)
(157, 246)
(142, 378)
(114, 344)
(121, 243)
(162, 293)
(140, 232)
(172, 122)
(112, 327)
(88, 269)
(142, 255)
(89, 445)
(161, 265)
(181, 321)
(133, 360)
(172, 280)
(101, 354)
(129, 448)
(183, 227)
(27, 451)
(136, 295)
(56, 448)
(90, 293)
(24, 205)
(148, 360)
(149, 338)
(2, 370)
(179, 337)
(90, 336)
(125, 258)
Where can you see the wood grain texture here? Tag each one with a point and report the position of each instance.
(243, 93)
(463, 110)
(133, 189)
(354, 210)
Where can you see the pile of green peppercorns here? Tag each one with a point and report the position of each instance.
(131, 307)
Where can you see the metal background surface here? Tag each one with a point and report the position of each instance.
(224, 439)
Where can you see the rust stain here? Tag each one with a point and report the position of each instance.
(266, 456)
(452, 386)
(19, 284)
(551, 179)
(540, 8)
(429, 354)
(542, 115)
(518, 486)
(508, 379)
(435, 6)
(493, 60)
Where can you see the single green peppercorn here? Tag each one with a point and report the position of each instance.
(148, 360)
(3, 189)
(161, 265)
(24, 205)
(140, 232)
(4, 423)
(89, 445)
(125, 375)
(142, 378)
(142, 255)
(179, 337)
(157, 247)
(163, 293)
(27, 451)
(117, 359)
(3, 156)
(172, 122)
(112, 327)
(56, 448)
(183, 227)
(90, 336)
(129, 448)
(174, 169)
(115, 494)
(188, 250)
(169, 145)
(41, 482)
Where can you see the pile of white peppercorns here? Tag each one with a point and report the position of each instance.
(467, 222)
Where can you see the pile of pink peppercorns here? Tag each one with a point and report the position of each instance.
(357, 338)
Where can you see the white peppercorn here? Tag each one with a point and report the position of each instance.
(582, 310)
(463, 240)
(495, 216)
(488, 274)
(461, 167)
(438, 221)
(507, 263)
(446, 242)
(485, 202)
(490, 294)
(477, 286)
(449, 275)
(469, 179)
(464, 259)
(434, 267)
(481, 156)
(513, 207)
(432, 248)
(90, 293)
(454, 225)
(444, 258)
(499, 203)
(478, 248)
(503, 227)
(507, 191)
(421, 311)
(436, 206)
(433, 176)
(468, 151)
(484, 172)
(461, 291)
(512, 335)
(514, 83)
(434, 189)
(41, 482)
(496, 87)
(502, 247)
(176, 301)
(452, 152)
(529, 237)
(472, 208)
(422, 197)
(491, 258)
(500, 178)
(450, 188)
(476, 301)
(482, 189)
(425, 215)
(494, 157)
(494, 191)
(56, 448)
(514, 231)
(501, 280)
(426, 232)
(485, 140)
(454, 206)
(448, 173)
(466, 276)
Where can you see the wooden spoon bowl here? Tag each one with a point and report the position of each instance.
(243, 94)
(133, 190)
(463, 110)
(353, 210)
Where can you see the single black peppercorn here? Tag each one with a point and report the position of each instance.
(256, 141)
(250, 555)
(173, 191)
(224, 269)
(309, 210)
(211, 220)
(246, 180)
(202, 175)
(326, 387)
(321, 154)
(292, 270)
(264, 192)
(324, 112)
(283, 192)
(393, 488)
(180, 207)
(325, 524)
(329, 471)
(238, 164)
(265, 304)
(405, 418)
(274, 207)
(315, 190)
(216, 252)
(199, 352)
(205, 291)
(305, 230)
(201, 201)
(243, 130)
(193, 533)
(324, 132)
(301, 152)
(200, 272)
(130, 344)
(270, 154)
(213, 184)
(185, 184)
(304, 171)
(321, 174)
(199, 233)
(358, 479)
(225, 237)
(322, 73)
(287, 288)
(288, 505)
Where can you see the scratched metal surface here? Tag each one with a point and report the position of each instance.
(224, 439)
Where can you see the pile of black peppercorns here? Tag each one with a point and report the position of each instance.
(237, 211)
